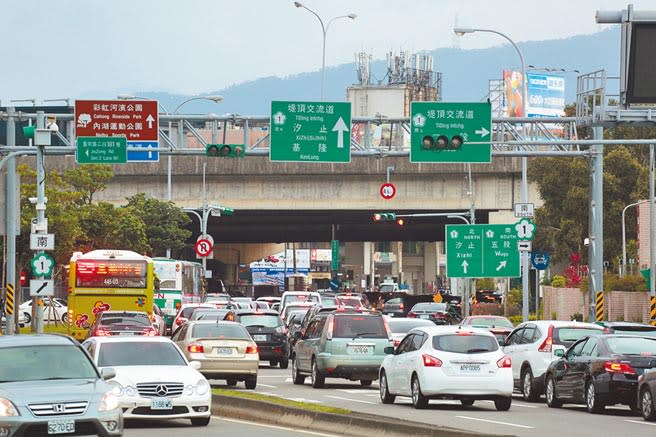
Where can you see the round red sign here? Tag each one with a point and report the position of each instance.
(203, 247)
(387, 191)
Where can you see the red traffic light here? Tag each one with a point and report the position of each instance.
(378, 217)
(23, 278)
(400, 222)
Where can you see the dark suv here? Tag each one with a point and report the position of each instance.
(269, 333)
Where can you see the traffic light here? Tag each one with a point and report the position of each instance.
(28, 131)
(225, 150)
(227, 211)
(400, 222)
(441, 142)
(384, 216)
(23, 278)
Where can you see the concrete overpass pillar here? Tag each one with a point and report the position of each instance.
(397, 265)
(430, 262)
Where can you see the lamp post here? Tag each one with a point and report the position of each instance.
(623, 269)
(460, 31)
(324, 29)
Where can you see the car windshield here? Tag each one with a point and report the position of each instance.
(644, 331)
(386, 288)
(491, 322)
(149, 354)
(264, 320)
(429, 307)
(220, 330)
(197, 315)
(632, 346)
(403, 326)
(465, 344)
(349, 301)
(328, 301)
(127, 320)
(359, 326)
(305, 297)
(567, 336)
(33, 363)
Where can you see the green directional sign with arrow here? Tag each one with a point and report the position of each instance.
(482, 251)
(101, 150)
(443, 132)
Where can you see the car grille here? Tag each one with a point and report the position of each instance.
(151, 412)
(160, 389)
(58, 408)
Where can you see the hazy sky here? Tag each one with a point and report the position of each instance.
(93, 48)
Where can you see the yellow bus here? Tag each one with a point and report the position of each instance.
(103, 280)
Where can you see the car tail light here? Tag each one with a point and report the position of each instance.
(150, 331)
(252, 349)
(504, 363)
(546, 345)
(180, 320)
(196, 348)
(101, 333)
(331, 325)
(617, 367)
(401, 306)
(411, 314)
(431, 361)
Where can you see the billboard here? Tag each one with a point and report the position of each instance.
(512, 85)
(546, 95)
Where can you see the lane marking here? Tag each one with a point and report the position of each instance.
(267, 386)
(314, 401)
(282, 428)
(640, 422)
(352, 400)
(357, 391)
(496, 422)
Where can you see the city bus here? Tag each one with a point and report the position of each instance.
(180, 282)
(103, 280)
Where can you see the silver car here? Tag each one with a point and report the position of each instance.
(49, 385)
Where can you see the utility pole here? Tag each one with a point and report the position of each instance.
(10, 228)
(41, 139)
(596, 247)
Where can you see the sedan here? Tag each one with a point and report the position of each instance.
(54, 310)
(153, 378)
(497, 325)
(600, 370)
(437, 313)
(447, 362)
(400, 326)
(122, 323)
(225, 350)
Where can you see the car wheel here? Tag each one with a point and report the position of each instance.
(365, 382)
(28, 318)
(200, 421)
(503, 404)
(231, 382)
(64, 318)
(467, 402)
(251, 382)
(385, 396)
(284, 363)
(647, 405)
(297, 378)
(592, 402)
(318, 379)
(529, 392)
(550, 393)
(273, 363)
(419, 401)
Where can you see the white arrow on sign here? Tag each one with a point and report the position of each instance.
(340, 127)
(502, 265)
(150, 121)
(482, 132)
(464, 265)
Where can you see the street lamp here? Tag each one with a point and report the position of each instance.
(324, 29)
(623, 269)
(460, 31)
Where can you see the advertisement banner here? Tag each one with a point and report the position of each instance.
(320, 255)
(512, 85)
(546, 95)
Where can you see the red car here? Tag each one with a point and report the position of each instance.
(497, 325)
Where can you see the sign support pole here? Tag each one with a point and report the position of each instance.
(596, 247)
(10, 217)
(652, 239)
(37, 307)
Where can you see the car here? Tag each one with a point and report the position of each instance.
(243, 302)
(401, 325)
(350, 300)
(185, 312)
(225, 350)
(640, 329)
(212, 314)
(389, 287)
(328, 299)
(395, 307)
(270, 334)
(217, 297)
(159, 322)
(303, 306)
(153, 378)
(647, 393)
(268, 299)
(498, 325)
(297, 297)
(49, 385)
(22, 320)
(341, 344)
(261, 306)
(55, 309)
(122, 323)
(447, 362)
(601, 370)
(437, 313)
(532, 347)
(310, 314)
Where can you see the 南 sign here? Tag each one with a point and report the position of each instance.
(136, 120)
(42, 264)
(387, 190)
(203, 248)
(42, 287)
(524, 210)
(42, 241)
(310, 131)
(101, 150)
(441, 132)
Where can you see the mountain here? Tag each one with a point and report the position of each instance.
(465, 74)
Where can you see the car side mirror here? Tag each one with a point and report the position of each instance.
(194, 365)
(389, 350)
(559, 353)
(107, 373)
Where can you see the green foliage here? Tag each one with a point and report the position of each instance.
(558, 281)
(516, 320)
(627, 283)
(87, 180)
(577, 316)
(485, 284)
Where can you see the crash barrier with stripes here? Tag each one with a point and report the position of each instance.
(652, 311)
(9, 301)
(599, 306)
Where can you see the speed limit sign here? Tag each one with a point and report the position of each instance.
(203, 247)
(387, 190)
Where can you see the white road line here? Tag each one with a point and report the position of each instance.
(313, 401)
(283, 428)
(267, 386)
(273, 376)
(357, 391)
(351, 400)
(496, 422)
(640, 422)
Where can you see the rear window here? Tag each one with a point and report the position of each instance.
(360, 326)
(401, 327)
(263, 320)
(328, 301)
(395, 301)
(186, 313)
(295, 298)
(429, 307)
(349, 301)
(632, 345)
(119, 320)
(492, 322)
(219, 331)
(386, 288)
(567, 336)
(198, 315)
(465, 344)
(646, 331)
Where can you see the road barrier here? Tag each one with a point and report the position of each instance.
(599, 306)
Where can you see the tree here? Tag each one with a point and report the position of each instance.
(108, 227)
(87, 180)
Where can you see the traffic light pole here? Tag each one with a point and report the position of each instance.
(10, 224)
(37, 303)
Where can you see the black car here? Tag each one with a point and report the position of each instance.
(600, 370)
(269, 333)
(647, 394)
(437, 313)
(628, 328)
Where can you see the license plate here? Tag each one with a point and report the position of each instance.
(390, 314)
(61, 426)
(223, 350)
(126, 333)
(470, 368)
(260, 338)
(424, 316)
(161, 404)
(361, 350)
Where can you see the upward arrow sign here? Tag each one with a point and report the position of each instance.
(340, 127)
(150, 121)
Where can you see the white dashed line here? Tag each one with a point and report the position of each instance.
(352, 400)
(496, 422)
(640, 422)
(273, 426)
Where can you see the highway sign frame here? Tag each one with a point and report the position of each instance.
(204, 248)
(101, 150)
(472, 121)
(385, 190)
(310, 132)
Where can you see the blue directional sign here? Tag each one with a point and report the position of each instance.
(150, 153)
(540, 260)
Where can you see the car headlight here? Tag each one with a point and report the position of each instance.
(202, 386)
(130, 391)
(108, 402)
(189, 390)
(117, 388)
(7, 408)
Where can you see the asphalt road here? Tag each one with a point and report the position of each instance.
(523, 419)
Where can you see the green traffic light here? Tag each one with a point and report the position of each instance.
(28, 131)
(384, 216)
(225, 150)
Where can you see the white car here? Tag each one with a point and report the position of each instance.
(54, 309)
(532, 346)
(153, 379)
(453, 362)
(401, 325)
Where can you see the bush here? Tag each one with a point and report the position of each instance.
(485, 284)
(516, 320)
(627, 283)
(577, 316)
(558, 281)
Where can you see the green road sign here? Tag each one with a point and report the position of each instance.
(482, 251)
(334, 245)
(441, 132)
(310, 131)
(101, 150)
(42, 264)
